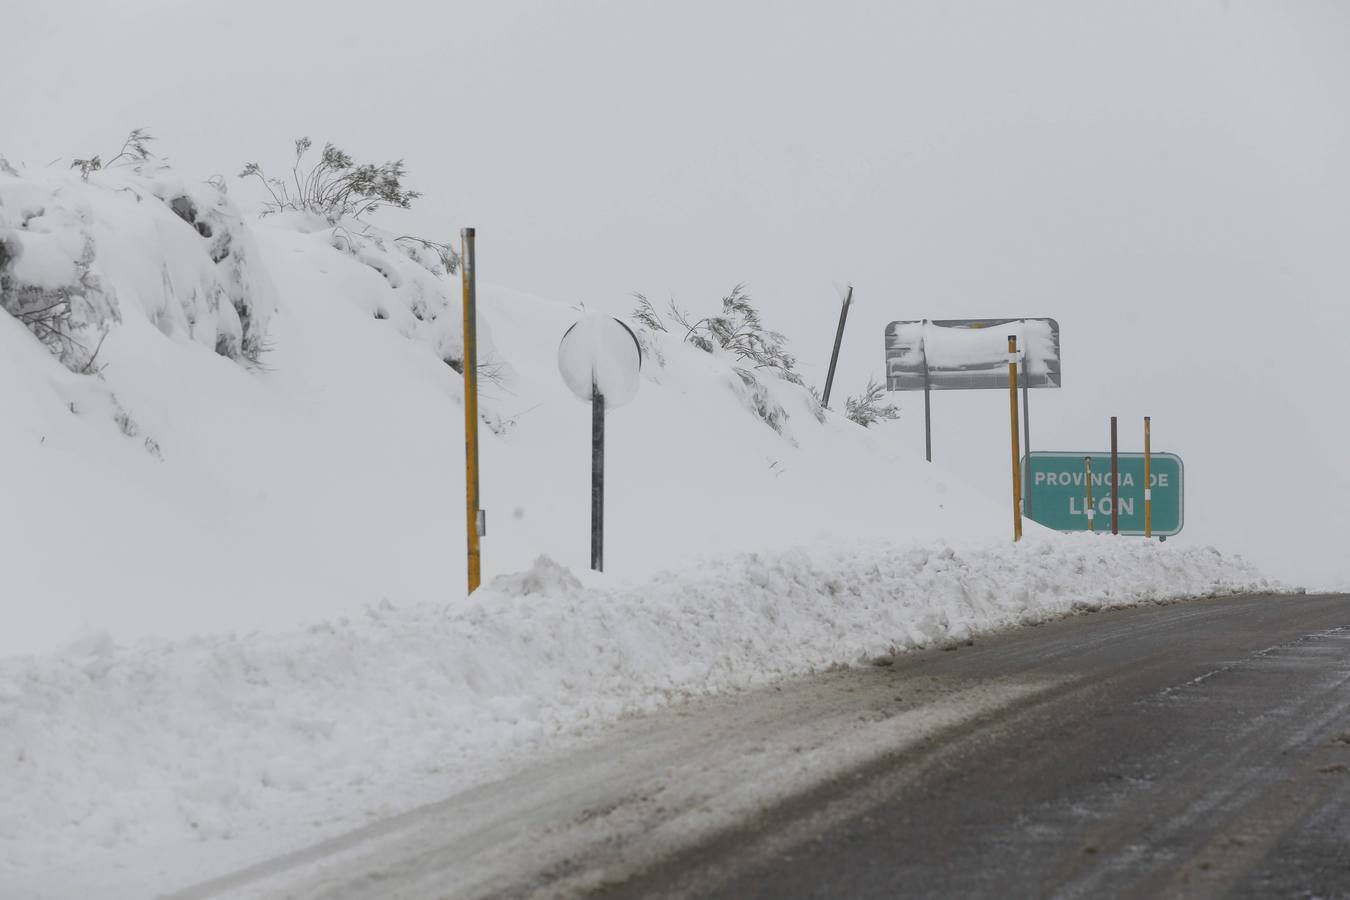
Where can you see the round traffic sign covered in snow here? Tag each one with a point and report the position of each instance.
(600, 354)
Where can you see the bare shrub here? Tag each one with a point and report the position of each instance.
(415, 248)
(335, 186)
(738, 330)
(759, 401)
(870, 406)
(134, 150)
(646, 315)
(62, 318)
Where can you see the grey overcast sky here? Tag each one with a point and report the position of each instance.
(1167, 179)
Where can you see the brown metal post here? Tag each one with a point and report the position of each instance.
(1115, 479)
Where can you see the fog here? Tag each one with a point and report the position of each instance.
(1168, 181)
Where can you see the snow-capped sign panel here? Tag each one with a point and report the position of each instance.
(969, 354)
(600, 355)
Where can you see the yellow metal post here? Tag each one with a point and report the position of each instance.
(472, 520)
(1016, 453)
(1148, 486)
(1091, 513)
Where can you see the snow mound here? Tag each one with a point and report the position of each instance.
(79, 256)
(420, 301)
(293, 736)
(544, 577)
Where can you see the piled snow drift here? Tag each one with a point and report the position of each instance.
(294, 736)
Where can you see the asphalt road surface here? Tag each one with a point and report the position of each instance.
(1199, 750)
(1193, 750)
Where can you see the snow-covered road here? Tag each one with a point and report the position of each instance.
(646, 787)
(718, 788)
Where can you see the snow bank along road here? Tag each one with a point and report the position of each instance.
(1196, 749)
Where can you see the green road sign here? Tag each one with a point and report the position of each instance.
(1056, 482)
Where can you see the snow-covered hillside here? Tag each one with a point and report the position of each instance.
(275, 432)
(254, 427)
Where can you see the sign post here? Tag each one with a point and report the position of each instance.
(474, 519)
(600, 360)
(927, 399)
(1148, 491)
(1115, 482)
(597, 480)
(1026, 434)
(1062, 481)
(1091, 510)
(1016, 453)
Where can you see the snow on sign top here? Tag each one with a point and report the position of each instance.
(968, 354)
(600, 354)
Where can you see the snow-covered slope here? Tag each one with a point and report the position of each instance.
(309, 462)
(256, 427)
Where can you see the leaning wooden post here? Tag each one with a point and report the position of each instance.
(838, 341)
